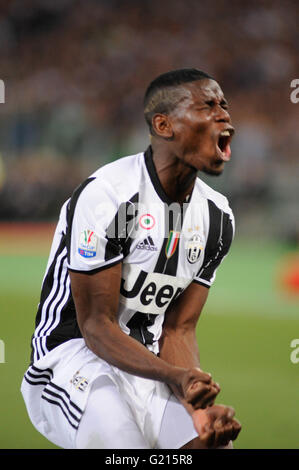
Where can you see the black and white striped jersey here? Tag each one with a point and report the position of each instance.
(121, 214)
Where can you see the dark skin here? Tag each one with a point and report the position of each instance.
(184, 142)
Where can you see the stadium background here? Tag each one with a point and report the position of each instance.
(75, 72)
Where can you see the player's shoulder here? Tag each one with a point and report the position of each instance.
(118, 180)
(123, 166)
(207, 192)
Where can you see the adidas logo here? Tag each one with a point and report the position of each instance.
(147, 244)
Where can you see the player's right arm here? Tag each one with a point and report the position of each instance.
(96, 299)
(96, 235)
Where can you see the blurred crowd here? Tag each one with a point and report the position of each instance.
(75, 72)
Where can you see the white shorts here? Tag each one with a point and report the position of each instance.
(77, 400)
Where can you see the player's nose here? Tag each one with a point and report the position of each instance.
(222, 115)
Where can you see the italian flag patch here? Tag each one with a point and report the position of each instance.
(172, 243)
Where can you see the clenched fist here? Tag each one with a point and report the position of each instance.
(199, 389)
(216, 425)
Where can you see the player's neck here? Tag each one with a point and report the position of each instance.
(176, 178)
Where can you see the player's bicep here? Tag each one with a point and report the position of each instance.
(96, 296)
(184, 312)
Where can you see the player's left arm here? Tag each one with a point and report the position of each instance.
(178, 344)
(215, 424)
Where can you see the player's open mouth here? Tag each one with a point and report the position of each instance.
(223, 144)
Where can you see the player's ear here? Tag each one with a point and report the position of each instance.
(162, 126)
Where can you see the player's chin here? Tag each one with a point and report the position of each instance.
(215, 169)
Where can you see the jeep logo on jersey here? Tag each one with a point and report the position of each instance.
(149, 292)
(87, 244)
(193, 247)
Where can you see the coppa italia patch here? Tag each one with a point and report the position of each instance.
(87, 244)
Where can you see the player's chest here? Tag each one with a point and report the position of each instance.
(170, 240)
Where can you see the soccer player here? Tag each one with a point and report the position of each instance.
(115, 361)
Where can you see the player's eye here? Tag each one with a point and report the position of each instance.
(212, 103)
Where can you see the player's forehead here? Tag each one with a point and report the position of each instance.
(200, 91)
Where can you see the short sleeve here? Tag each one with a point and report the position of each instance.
(91, 243)
(219, 242)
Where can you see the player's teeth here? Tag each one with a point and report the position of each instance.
(225, 134)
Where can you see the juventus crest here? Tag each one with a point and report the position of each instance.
(193, 248)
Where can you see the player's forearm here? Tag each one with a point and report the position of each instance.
(110, 343)
(180, 349)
